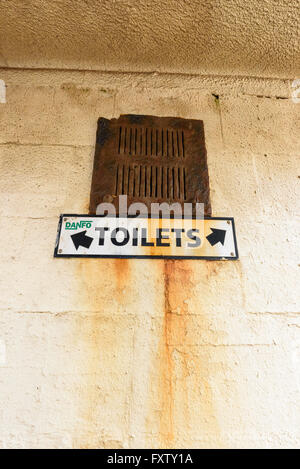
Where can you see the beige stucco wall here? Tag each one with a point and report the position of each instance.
(218, 37)
(149, 353)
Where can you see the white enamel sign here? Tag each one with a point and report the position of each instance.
(97, 236)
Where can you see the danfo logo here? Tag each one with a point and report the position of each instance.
(80, 224)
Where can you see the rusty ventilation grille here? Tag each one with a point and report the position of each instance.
(150, 159)
(151, 181)
(151, 142)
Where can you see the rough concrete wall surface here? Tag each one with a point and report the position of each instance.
(149, 353)
(231, 37)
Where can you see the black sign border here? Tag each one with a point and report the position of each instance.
(111, 256)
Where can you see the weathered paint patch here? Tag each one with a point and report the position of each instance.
(87, 333)
(102, 335)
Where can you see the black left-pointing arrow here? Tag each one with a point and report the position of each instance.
(80, 239)
(217, 236)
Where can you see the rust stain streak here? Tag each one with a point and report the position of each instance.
(184, 387)
(122, 274)
(166, 429)
(168, 369)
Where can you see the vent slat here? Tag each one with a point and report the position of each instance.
(131, 181)
(153, 181)
(153, 148)
(171, 185)
(175, 143)
(126, 140)
(181, 184)
(143, 141)
(125, 180)
(119, 140)
(142, 182)
(148, 172)
(165, 142)
(165, 182)
(137, 181)
(149, 142)
(158, 183)
(138, 141)
(122, 142)
(134, 141)
(159, 142)
(179, 140)
(176, 183)
(119, 180)
(170, 144)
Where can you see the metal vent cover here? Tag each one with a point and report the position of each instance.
(150, 159)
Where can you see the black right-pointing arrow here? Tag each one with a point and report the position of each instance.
(80, 239)
(216, 236)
